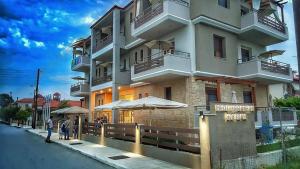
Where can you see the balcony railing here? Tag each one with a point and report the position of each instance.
(154, 10)
(80, 60)
(157, 60)
(101, 80)
(271, 22)
(270, 65)
(75, 87)
(149, 14)
(103, 43)
(275, 67)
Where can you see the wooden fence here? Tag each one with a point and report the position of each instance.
(173, 138)
(120, 131)
(92, 129)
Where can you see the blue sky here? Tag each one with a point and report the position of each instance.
(37, 34)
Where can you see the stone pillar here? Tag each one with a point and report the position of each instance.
(222, 140)
(116, 61)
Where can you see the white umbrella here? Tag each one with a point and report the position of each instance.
(72, 110)
(110, 106)
(151, 102)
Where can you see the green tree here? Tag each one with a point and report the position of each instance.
(7, 113)
(5, 100)
(22, 115)
(63, 104)
(288, 102)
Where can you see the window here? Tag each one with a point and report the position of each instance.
(125, 64)
(219, 47)
(211, 95)
(168, 93)
(246, 54)
(247, 96)
(135, 57)
(105, 71)
(140, 96)
(131, 19)
(142, 55)
(224, 3)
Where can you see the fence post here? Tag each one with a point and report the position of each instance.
(102, 135)
(79, 128)
(137, 144)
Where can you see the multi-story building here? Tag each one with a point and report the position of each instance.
(190, 51)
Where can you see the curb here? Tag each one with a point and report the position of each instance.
(83, 153)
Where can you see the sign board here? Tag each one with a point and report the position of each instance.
(233, 111)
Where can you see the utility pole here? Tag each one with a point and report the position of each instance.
(296, 6)
(35, 99)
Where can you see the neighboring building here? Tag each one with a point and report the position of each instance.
(190, 51)
(25, 103)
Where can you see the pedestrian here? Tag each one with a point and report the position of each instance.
(75, 127)
(61, 130)
(67, 128)
(49, 129)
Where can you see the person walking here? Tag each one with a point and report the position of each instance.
(49, 129)
(76, 127)
(67, 128)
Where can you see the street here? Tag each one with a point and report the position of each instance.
(22, 150)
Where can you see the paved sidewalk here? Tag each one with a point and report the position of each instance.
(102, 154)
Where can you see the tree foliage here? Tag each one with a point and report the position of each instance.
(5, 100)
(63, 104)
(9, 112)
(23, 114)
(288, 102)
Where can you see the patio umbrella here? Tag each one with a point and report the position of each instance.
(78, 78)
(270, 54)
(110, 106)
(155, 44)
(59, 111)
(151, 103)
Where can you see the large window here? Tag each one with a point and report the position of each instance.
(142, 55)
(247, 97)
(219, 46)
(224, 3)
(135, 57)
(168, 93)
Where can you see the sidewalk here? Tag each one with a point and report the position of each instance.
(104, 154)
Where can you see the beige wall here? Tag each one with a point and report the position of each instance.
(211, 9)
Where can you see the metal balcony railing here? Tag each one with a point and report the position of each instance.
(271, 22)
(103, 43)
(275, 67)
(157, 60)
(101, 80)
(79, 60)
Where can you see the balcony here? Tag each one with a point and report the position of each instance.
(161, 18)
(162, 66)
(101, 80)
(80, 90)
(81, 64)
(269, 30)
(268, 71)
(103, 43)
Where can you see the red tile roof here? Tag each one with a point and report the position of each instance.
(74, 103)
(54, 104)
(25, 100)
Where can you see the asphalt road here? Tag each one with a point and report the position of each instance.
(22, 150)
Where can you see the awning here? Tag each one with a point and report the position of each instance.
(151, 102)
(110, 106)
(271, 53)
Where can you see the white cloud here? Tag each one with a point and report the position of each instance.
(39, 44)
(61, 46)
(26, 42)
(15, 32)
(87, 20)
(3, 42)
(65, 50)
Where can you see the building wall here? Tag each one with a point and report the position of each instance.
(211, 9)
(128, 38)
(205, 59)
